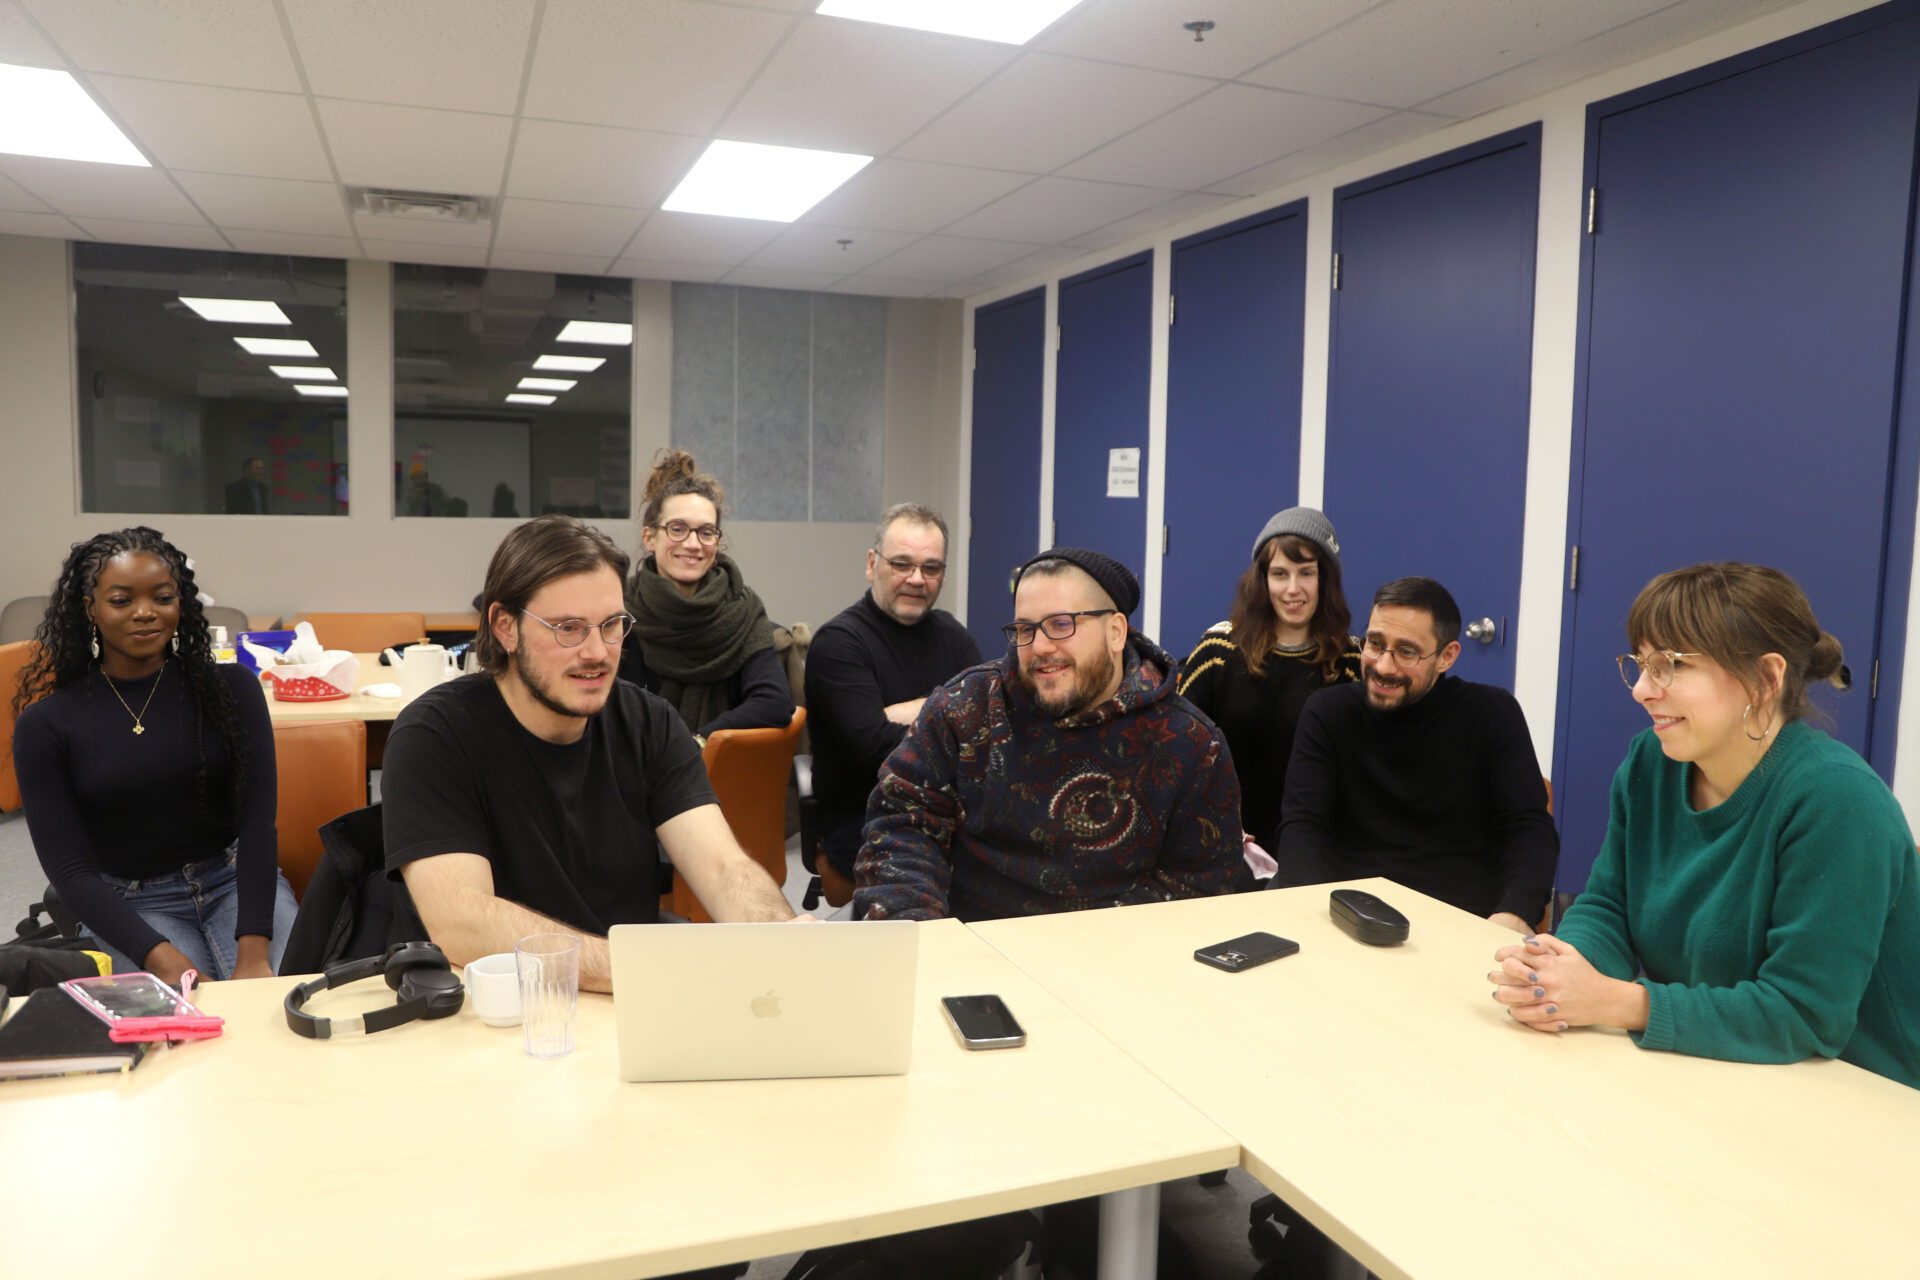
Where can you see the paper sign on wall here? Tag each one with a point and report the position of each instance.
(1123, 473)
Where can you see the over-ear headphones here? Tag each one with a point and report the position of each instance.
(423, 980)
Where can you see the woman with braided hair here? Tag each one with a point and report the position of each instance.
(148, 770)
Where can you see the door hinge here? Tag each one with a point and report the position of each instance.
(1593, 210)
(1873, 683)
(1336, 273)
(1056, 337)
(1170, 310)
(1573, 572)
(1166, 539)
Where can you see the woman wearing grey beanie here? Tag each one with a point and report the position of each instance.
(1285, 639)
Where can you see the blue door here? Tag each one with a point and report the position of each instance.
(1009, 355)
(1427, 396)
(1743, 308)
(1233, 408)
(1100, 404)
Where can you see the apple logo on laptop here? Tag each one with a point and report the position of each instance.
(766, 1006)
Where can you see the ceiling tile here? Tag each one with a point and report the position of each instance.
(431, 255)
(1222, 134)
(572, 264)
(804, 247)
(565, 228)
(416, 148)
(699, 237)
(884, 286)
(1355, 144)
(15, 198)
(102, 190)
(420, 231)
(1058, 209)
(39, 224)
(858, 86)
(268, 204)
(1043, 111)
(190, 126)
(1032, 265)
(950, 258)
(592, 164)
(647, 269)
(761, 278)
(461, 55)
(298, 246)
(907, 195)
(1246, 33)
(21, 43)
(1176, 210)
(236, 43)
(1405, 53)
(668, 64)
(161, 234)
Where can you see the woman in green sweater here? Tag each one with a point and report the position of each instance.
(1757, 876)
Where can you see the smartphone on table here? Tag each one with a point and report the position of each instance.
(1246, 951)
(983, 1022)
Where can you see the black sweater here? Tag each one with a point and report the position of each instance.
(99, 798)
(757, 694)
(1258, 715)
(1444, 797)
(861, 662)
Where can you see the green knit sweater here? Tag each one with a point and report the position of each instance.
(1780, 924)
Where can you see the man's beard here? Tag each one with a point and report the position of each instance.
(544, 694)
(1088, 684)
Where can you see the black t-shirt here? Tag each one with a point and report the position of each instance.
(568, 828)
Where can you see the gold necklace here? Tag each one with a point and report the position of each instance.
(138, 728)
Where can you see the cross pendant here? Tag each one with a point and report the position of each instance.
(139, 728)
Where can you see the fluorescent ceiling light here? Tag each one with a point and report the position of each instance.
(570, 364)
(1004, 21)
(598, 332)
(47, 113)
(547, 384)
(519, 399)
(237, 310)
(753, 180)
(318, 389)
(304, 373)
(278, 347)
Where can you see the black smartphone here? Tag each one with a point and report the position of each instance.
(1245, 952)
(983, 1022)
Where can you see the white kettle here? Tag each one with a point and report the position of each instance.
(421, 667)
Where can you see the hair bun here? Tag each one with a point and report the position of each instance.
(669, 465)
(1826, 661)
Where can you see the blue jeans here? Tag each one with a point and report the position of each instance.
(196, 909)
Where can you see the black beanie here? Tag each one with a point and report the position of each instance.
(1114, 578)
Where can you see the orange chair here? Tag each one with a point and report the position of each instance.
(13, 660)
(748, 769)
(323, 774)
(365, 632)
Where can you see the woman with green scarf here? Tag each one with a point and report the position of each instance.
(701, 638)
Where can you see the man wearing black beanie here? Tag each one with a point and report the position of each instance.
(1067, 774)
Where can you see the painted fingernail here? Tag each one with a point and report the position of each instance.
(1553, 1008)
(1532, 976)
(1538, 992)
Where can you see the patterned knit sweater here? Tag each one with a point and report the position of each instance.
(988, 808)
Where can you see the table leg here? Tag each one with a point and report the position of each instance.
(1130, 1233)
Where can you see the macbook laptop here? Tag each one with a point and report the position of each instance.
(760, 1001)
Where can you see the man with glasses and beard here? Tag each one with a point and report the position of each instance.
(872, 666)
(1419, 776)
(1067, 774)
(535, 796)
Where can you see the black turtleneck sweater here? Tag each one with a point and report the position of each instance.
(101, 798)
(861, 662)
(1444, 796)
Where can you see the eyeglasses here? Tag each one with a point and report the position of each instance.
(903, 567)
(677, 531)
(1058, 626)
(571, 633)
(1405, 654)
(1659, 666)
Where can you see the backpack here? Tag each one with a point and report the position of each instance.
(352, 909)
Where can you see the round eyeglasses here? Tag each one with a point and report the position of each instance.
(1659, 666)
(677, 531)
(571, 633)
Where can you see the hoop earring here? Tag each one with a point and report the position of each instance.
(176, 642)
(94, 643)
(1751, 737)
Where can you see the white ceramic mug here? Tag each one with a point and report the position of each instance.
(493, 989)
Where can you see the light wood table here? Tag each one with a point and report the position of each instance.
(356, 706)
(439, 1149)
(1382, 1092)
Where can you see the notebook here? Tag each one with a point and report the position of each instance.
(763, 1001)
(52, 1035)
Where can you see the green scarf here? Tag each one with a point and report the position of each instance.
(696, 643)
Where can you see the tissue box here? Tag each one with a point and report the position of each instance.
(332, 678)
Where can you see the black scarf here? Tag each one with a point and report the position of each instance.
(695, 644)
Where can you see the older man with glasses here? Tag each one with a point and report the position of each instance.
(1417, 775)
(873, 664)
(1067, 774)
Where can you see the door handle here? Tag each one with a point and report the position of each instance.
(1483, 631)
